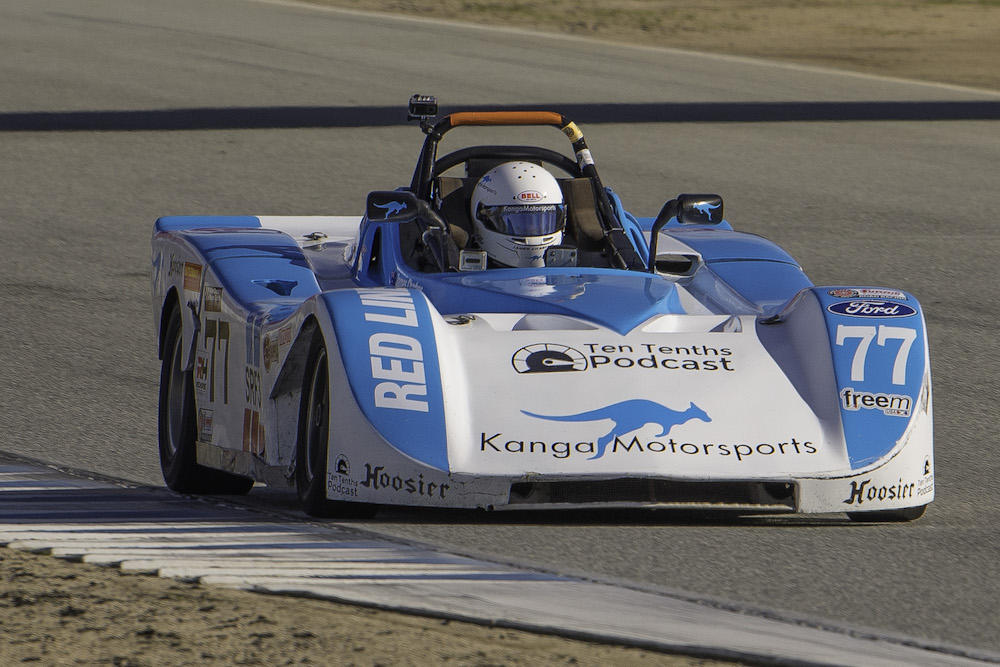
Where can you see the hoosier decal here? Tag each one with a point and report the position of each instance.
(862, 492)
(377, 478)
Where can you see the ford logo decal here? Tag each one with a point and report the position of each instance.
(871, 308)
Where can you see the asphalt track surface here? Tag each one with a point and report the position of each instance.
(114, 113)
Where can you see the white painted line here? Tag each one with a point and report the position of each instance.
(298, 573)
(113, 555)
(258, 565)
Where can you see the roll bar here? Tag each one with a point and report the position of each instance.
(425, 107)
(506, 118)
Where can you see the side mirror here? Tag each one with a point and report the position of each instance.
(700, 209)
(401, 206)
(689, 210)
(392, 206)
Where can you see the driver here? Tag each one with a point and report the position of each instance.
(517, 213)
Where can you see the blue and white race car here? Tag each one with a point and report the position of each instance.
(501, 333)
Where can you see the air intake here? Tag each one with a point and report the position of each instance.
(632, 491)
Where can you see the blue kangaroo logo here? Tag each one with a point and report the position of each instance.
(391, 207)
(630, 416)
(706, 209)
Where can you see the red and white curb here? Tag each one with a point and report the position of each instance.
(152, 530)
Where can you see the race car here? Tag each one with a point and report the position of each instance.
(501, 333)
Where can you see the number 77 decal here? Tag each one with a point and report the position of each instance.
(881, 334)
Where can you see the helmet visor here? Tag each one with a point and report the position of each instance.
(524, 220)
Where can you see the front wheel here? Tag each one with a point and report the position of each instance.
(178, 426)
(312, 450)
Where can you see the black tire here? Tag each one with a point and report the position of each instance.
(888, 516)
(178, 427)
(312, 449)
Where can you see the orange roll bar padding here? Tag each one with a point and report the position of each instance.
(506, 118)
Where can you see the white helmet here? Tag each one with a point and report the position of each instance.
(518, 212)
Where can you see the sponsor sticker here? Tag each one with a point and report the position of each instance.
(499, 443)
(864, 491)
(213, 299)
(284, 335)
(343, 466)
(205, 425)
(192, 277)
(548, 358)
(555, 357)
(871, 308)
(175, 267)
(339, 482)
(572, 132)
(377, 478)
(893, 405)
(253, 432)
(623, 439)
(647, 356)
(867, 293)
(270, 351)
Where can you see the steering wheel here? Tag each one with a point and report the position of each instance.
(507, 153)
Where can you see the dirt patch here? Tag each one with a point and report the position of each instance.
(948, 41)
(54, 612)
